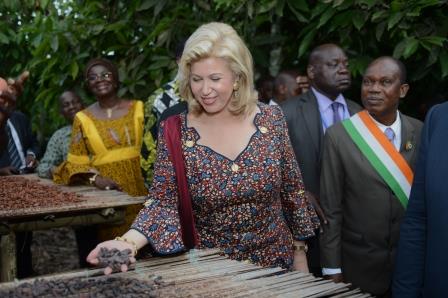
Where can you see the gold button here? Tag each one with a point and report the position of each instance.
(263, 129)
(189, 143)
(235, 167)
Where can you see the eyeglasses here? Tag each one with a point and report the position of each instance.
(102, 76)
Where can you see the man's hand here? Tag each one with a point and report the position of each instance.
(8, 171)
(31, 161)
(337, 278)
(16, 85)
(315, 202)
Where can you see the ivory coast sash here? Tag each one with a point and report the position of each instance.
(382, 154)
(101, 154)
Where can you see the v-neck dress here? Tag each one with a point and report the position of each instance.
(251, 207)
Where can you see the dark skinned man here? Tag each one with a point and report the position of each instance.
(366, 178)
(310, 114)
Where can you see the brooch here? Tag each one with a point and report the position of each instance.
(408, 145)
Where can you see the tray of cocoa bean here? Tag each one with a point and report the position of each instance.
(29, 195)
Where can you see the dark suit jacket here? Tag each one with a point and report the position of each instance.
(26, 136)
(422, 260)
(306, 134)
(364, 214)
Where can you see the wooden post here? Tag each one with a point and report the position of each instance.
(8, 270)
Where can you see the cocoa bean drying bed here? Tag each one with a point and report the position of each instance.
(93, 206)
(204, 273)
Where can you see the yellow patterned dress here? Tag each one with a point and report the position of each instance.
(110, 147)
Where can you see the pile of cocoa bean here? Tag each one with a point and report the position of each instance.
(19, 193)
(104, 286)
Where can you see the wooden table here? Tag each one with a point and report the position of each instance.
(204, 273)
(98, 206)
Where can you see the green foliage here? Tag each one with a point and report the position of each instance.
(55, 39)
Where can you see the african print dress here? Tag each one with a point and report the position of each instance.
(110, 147)
(251, 207)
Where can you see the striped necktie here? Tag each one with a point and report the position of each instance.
(14, 156)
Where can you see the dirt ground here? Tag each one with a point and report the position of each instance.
(54, 251)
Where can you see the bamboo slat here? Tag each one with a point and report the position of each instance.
(205, 273)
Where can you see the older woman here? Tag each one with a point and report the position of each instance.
(106, 138)
(247, 196)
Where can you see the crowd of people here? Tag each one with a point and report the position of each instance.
(308, 180)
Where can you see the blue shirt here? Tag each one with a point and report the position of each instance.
(326, 112)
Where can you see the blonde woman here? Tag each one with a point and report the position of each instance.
(247, 196)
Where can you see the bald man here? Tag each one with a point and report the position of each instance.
(309, 115)
(366, 177)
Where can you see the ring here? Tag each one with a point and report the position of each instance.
(107, 187)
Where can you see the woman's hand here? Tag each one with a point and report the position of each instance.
(92, 258)
(300, 261)
(106, 183)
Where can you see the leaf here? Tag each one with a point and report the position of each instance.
(326, 16)
(358, 19)
(436, 40)
(380, 30)
(4, 39)
(300, 17)
(379, 15)
(304, 45)
(55, 43)
(399, 49)
(443, 58)
(411, 45)
(147, 4)
(394, 19)
(74, 69)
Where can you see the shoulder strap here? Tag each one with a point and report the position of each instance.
(172, 134)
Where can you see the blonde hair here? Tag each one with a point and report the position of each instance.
(219, 40)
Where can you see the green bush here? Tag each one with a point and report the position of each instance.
(55, 39)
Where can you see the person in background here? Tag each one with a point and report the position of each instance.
(58, 145)
(10, 143)
(422, 250)
(265, 88)
(247, 197)
(106, 141)
(366, 178)
(310, 114)
(22, 148)
(165, 98)
(285, 86)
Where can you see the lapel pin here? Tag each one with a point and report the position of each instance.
(408, 145)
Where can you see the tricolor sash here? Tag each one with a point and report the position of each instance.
(382, 154)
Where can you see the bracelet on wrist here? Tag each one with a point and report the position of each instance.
(134, 245)
(301, 247)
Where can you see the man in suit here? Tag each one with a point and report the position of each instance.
(311, 113)
(422, 251)
(20, 145)
(365, 182)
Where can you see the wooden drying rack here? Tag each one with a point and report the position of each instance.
(98, 206)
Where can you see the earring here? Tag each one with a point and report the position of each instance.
(236, 86)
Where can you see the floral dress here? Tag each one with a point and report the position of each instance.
(251, 207)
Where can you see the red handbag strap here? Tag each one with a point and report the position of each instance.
(173, 140)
